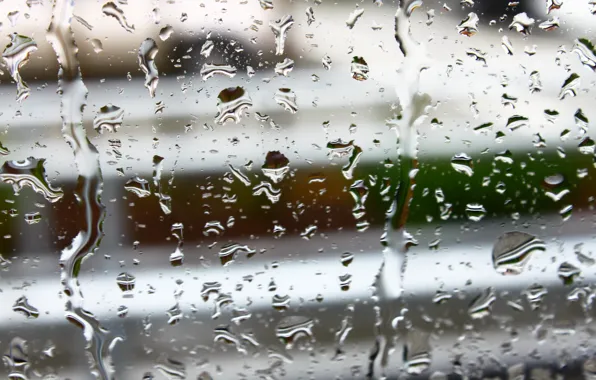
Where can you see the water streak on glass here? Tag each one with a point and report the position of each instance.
(89, 188)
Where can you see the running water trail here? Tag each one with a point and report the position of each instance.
(89, 188)
(396, 240)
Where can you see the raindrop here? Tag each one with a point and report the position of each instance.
(122, 311)
(276, 166)
(231, 102)
(516, 122)
(344, 281)
(309, 232)
(166, 32)
(569, 87)
(126, 282)
(16, 55)
(507, 45)
(326, 62)
(29, 172)
(535, 294)
(512, 251)
(535, 83)
(353, 17)
(552, 5)
(347, 258)
(208, 288)
(32, 217)
(3, 150)
(284, 68)
(266, 188)
(475, 211)
(207, 48)
(469, 25)
(266, 4)
(586, 52)
(280, 29)
(481, 305)
(280, 302)
(17, 359)
(23, 307)
(287, 99)
(550, 24)
(97, 45)
(567, 272)
(359, 192)
(462, 163)
(310, 16)
(293, 328)
(147, 52)
(587, 146)
(138, 186)
(112, 10)
(441, 297)
(177, 257)
(359, 69)
(522, 23)
(227, 254)
(108, 119)
(174, 315)
(208, 70)
(417, 352)
(170, 368)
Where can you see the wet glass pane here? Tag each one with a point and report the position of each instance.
(268, 189)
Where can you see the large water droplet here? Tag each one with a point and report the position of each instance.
(512, 251)
(276, 166)
(462, 163)
(280, 29)
(138, 186)
(293, 328)
(227, 254)
(207, 48)
(17, 359)
(359, 69)
(32, 217)
(29, 172)
(284, 67)
(567, 272)
(481, 305)
(354, 17)
(475, 211)
(112, 10)
(469, 25)
(166, 32)
(23, 307)
(170, 368)
(517, 121)
(570, 86)
(417, 351)
(231, 102)
(270, 192)
(208, 70)
(287, 99)
(108, 119)
(174, 314)
(126, 282)
(586, 52)
(522, 23)
(147, 52)
(16, 55)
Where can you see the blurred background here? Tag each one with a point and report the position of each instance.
(246, 200)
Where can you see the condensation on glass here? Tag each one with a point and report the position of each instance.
(282, 189)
